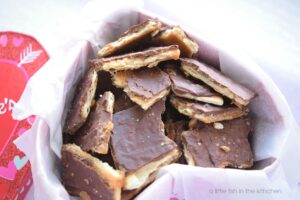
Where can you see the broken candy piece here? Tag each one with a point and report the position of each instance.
(82, 102)
(176, 35)
(143, 86)
(131, 38)
(86, 176)
(95, 133)
(205, 112)
(223, 146)
(148, 58)
(238, 93)
(139, 145)
(194, 150)
(183, 87)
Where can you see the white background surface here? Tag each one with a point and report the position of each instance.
(267, 31)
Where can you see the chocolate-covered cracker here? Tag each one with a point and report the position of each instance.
(82, 102)
(95, 133)
(221, 144)
(175, 35)
(139, 145)
(86, 176)
(135, 35)
(143, 86)
(195, 150)
(205, 112)
(148, 58)
(239, 94)
(183, 87)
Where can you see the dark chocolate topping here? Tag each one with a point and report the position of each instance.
(203, 108)
(94, 131)
(137, 27)
(74, 119)
(219, 78)
(141, 54)
(131, 40)
(148, 82)
(207, 108)
(123, 103)
(181, 85)
(197, 149)
(233, 137)
(78, 175)
(138, 137)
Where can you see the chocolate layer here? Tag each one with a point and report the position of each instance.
(143, 86)
(82, 102)
(218, 81)
(175, 35)
(131, 38)
(183, 87)
(205, 112)
(148, 82)
(138, 137)
(147, 58)
(195, 151)
(227, 143)
(74, 179)
(86, 176)
(95, 133)
(123, 103)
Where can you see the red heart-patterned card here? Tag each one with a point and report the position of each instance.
(20, 57)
